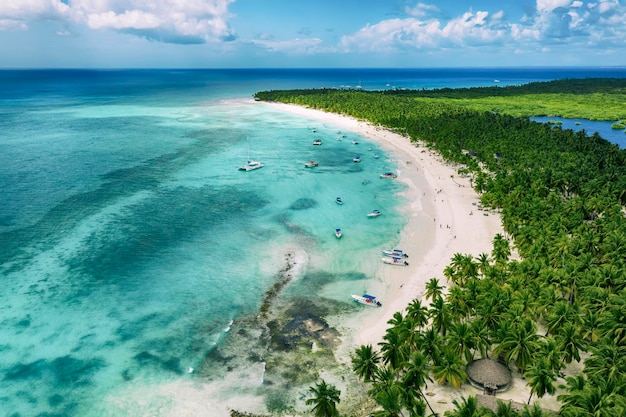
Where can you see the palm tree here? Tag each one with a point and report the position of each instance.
(505, 409)
(416, 374)
(324, 400)
(365, 362)
(520, 344)
(441, 315)
(433, 289)
(431, 345)
(480, 337)
(449, 370)
(468, 407)
(607, 363)
(570, 342)
(501, 249)
(393, 348)
(541, 378)
(549, 350)
(532, 411)
(461, 340)
(417, 313)
(457, 300)
(388, 392)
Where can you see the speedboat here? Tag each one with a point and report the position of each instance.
(310, 164)
(376, 155)
(388, 175)
(338, 200)
(397, 253)
(251, 166)
(357, 158)
(355, 142)
(368, 300)
(394, 260)
(317, 142)
(374, 213)
(338, 233)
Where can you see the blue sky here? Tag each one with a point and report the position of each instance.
(311, 33)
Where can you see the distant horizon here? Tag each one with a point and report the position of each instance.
(596, 67)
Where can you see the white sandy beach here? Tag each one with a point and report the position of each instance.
(448, 223)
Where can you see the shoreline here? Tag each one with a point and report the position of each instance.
(442, 220)
(436, 192)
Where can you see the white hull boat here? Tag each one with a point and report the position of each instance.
(251, 166)
(368, 300)
(388, 175)
(374, 213)
(310, 164)
(397, 253)
(395, 261)
(338, 200)
(338, 233)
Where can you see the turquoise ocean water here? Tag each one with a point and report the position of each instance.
(130, 244)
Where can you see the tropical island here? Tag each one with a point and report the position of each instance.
(549, 302)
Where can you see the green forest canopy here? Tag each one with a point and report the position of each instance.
(561, 194)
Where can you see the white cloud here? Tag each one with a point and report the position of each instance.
(549, 5)
(499, 15)
(185, 21)
(12, 24)
(421, 10)
(554, 24)
(469, 29)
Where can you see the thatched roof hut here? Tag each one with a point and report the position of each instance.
(489, 375)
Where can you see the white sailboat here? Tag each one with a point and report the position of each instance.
(251, 165)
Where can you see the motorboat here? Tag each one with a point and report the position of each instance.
(368, 300)
(376, 155)
(251, 166)
(357, 158)
(317, 142)
(355, 142)
(388, 175)
(397, 253)
(374, 213)
(394, 260)
(338, 233)
(310, 164)
(338, 200)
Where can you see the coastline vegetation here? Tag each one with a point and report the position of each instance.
(562, 197)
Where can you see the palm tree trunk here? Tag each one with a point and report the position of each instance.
(427, 403)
